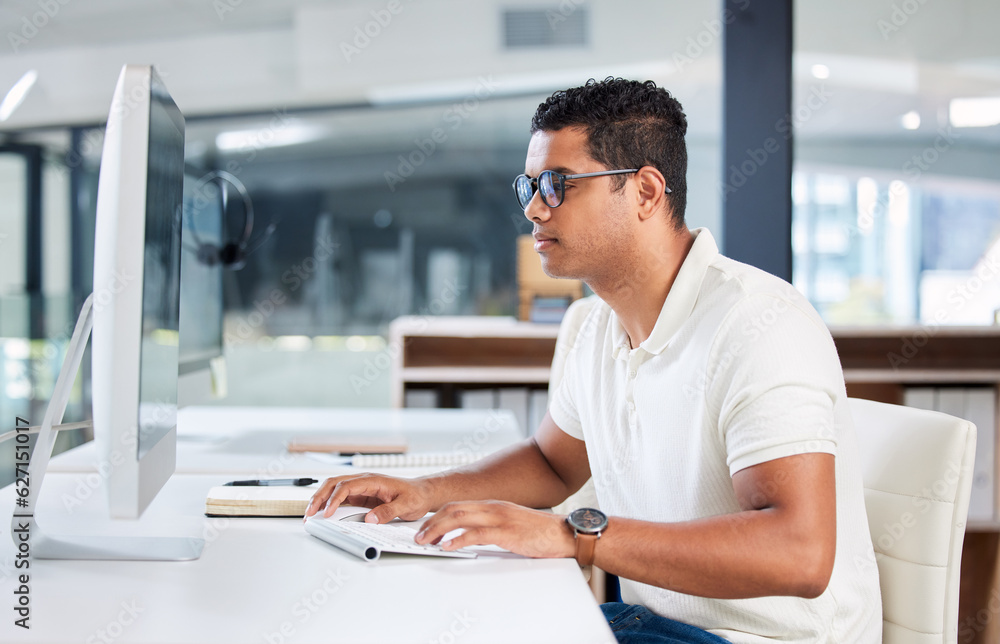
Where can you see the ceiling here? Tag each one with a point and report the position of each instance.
(257, 56)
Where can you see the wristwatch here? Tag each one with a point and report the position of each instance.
(587, 525)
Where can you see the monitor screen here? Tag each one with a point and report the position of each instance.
(158, 358)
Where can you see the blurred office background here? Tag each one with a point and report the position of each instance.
(382, 144)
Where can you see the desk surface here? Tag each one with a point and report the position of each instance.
(268, 581)
(251, 440)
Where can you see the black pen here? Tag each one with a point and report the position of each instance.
(305, 481)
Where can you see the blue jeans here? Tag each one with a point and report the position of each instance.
(634, 624)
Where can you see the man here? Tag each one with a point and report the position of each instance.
(704, 397)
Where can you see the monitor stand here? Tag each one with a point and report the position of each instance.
(100, 547)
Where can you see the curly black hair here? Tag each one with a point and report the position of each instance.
(629, 124)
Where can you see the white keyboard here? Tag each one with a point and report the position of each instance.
(368, 541)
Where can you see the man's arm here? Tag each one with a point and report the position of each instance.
(782, 542)
(537, 473)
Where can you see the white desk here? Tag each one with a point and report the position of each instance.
(267, 581)
(252, 439)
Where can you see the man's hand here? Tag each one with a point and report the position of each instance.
(528, 532)
(390, 497)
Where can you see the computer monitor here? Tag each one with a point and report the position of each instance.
(137, 255)
(133, 316)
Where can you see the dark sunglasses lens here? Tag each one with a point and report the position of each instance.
(523, 190)
(548, 183)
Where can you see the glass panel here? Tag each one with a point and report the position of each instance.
(896, 189)
(15, 350)
(388, 187)
(29, 367)
(406, 207)
(13, 178)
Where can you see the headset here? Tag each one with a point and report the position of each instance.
(233, 253)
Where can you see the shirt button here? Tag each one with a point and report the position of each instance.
(631, 406)
(631, 374)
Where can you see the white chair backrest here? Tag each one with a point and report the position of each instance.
(917, 470)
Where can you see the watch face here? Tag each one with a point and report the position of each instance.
(588, 520)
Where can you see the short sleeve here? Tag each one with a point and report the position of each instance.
(562, 407)
(776, 380)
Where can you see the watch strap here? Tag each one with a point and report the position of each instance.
(585, 544)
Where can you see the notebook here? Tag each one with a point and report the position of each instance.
(264, 501)
(346, 530)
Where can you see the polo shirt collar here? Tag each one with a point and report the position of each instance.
(680, 300)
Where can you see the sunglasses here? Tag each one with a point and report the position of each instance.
(552, 186)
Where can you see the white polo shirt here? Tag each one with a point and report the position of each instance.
(738, 370)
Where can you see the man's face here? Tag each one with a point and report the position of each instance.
(589, 235)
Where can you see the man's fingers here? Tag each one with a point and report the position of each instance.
(453, 517)
(362, 501)
(383, 513)
(356, 487)
(340, 492)
(473, 537)
(321, 495)
(367, 490)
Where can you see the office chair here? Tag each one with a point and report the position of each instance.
(917, 469)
